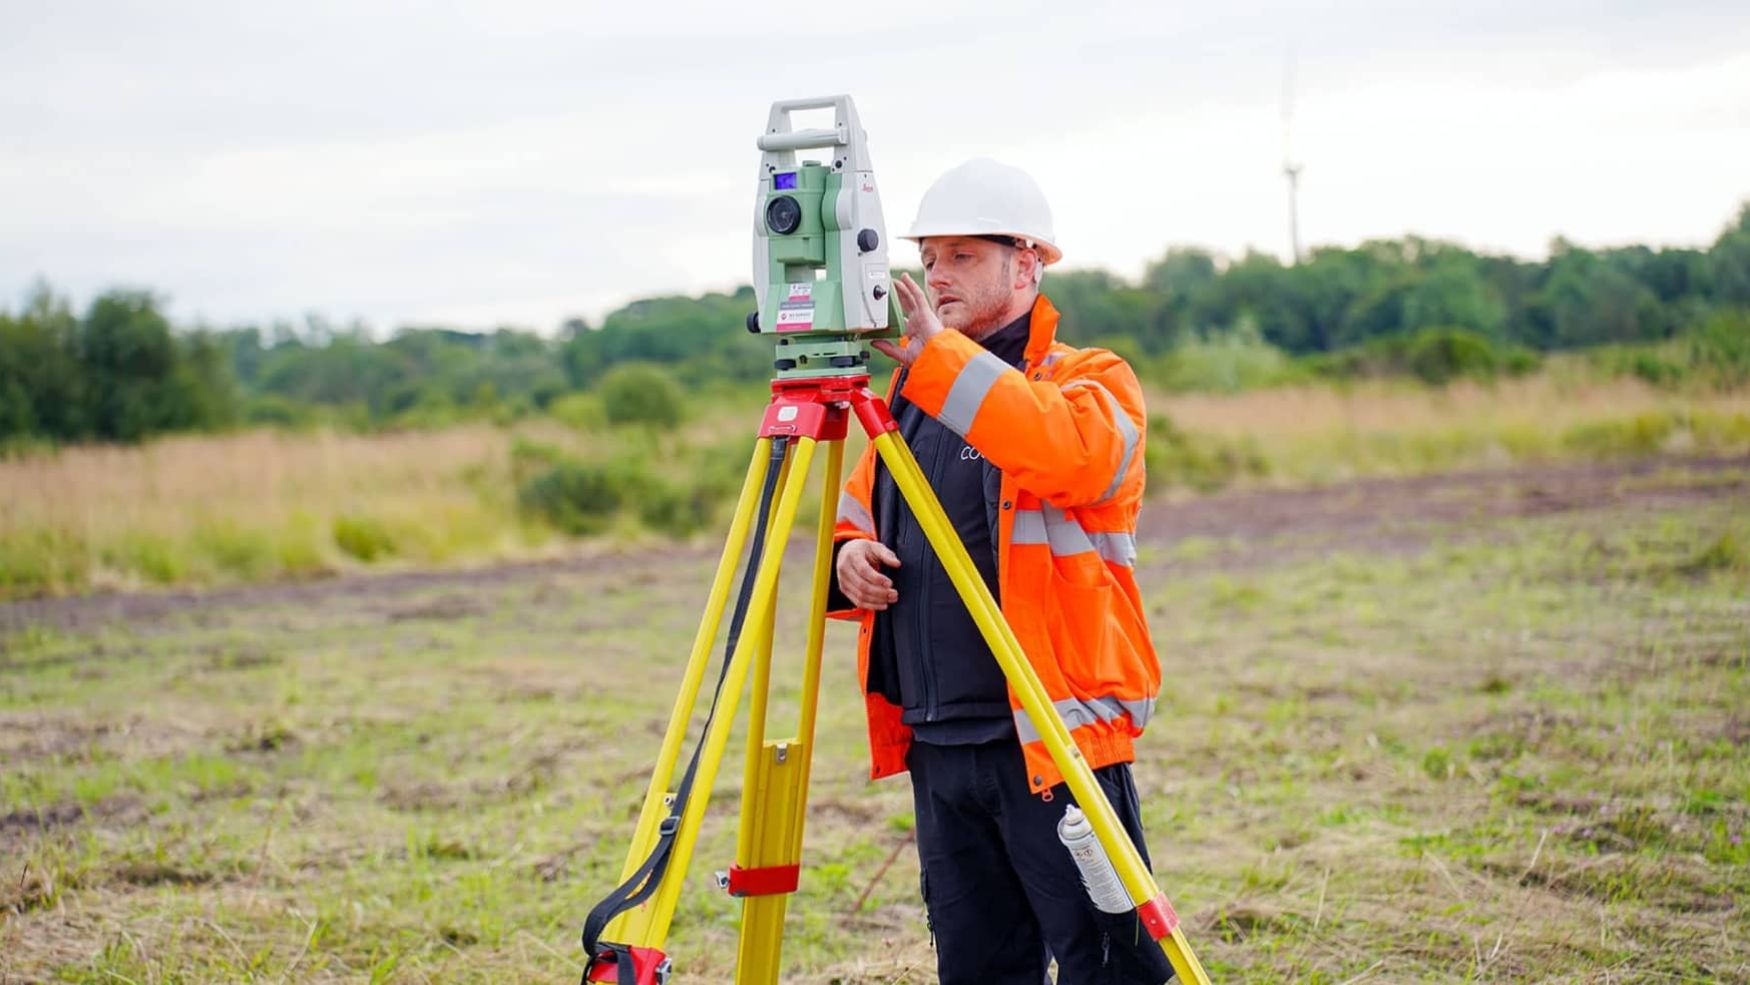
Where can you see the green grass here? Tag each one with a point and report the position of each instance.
(1513, 753)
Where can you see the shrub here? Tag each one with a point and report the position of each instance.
(235, 549)
(1643, 434)
(1225, 362)
(277, 411)
(1434, 355)
(713, 477)
(583, 411)
(582, 498)
(1439, 357)
(529, 457)
(151, 556)
(363, 537)
(1652, 368)
(298, 553)
(1175, 458)
(675, 510)
(1720, 432)
(641, 394)
(1720, 347)
(38, 562)
(1517, 360)
(1714, 353)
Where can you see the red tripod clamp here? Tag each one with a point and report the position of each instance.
(1158, 917)
(649, 966)
(817, 408)
(769, 880)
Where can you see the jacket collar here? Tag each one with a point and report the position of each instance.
(1009, 343)
(1042, 332)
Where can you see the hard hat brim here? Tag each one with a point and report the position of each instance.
(1048, 251)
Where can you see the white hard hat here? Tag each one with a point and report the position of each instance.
(987, 198)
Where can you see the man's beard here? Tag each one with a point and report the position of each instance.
(983, 312)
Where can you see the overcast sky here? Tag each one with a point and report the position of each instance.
(520, 162)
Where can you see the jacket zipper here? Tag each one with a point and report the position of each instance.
(927, 670)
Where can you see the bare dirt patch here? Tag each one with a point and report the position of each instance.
(26, 737)
(1399, 516)
(390, 596)
(31, 822)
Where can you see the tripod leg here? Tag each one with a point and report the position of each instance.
(761, 600)
(775, 789)
(762, 664)
(1138, 882)
(818, 592)
(629, 925)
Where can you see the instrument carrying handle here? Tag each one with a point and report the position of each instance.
(809, 102)
(779, 137)
(802, 140)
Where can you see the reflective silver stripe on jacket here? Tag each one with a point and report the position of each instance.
(852, 512)
(1126, 427)
(1048, 525)
(968, 392)
(1075, 713)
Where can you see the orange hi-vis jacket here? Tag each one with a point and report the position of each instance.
(1066, 430)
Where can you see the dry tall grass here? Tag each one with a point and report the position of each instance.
(1322, 433)
(264, 504)
(1545, 402)
(243, 477)
(254, 504)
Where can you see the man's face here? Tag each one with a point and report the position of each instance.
(971, 282)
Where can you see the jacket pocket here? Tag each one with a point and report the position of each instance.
(1089, 649)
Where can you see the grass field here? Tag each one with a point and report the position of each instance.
(264, 505)
(1477, 726)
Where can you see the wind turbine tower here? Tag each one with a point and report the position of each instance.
(1290, 169)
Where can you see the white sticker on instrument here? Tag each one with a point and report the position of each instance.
(795, 319)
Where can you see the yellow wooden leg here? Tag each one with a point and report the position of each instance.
(656, 796)
(762, 598)
(774, 797)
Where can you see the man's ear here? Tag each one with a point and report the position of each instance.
(1026, 269)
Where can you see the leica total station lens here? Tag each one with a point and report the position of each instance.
(783, 215)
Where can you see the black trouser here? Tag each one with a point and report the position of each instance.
(1003, 894)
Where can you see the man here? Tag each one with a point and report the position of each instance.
(1035, 450)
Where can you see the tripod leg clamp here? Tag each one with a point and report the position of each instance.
(768, 880)
(1158, 917)
(647, 966)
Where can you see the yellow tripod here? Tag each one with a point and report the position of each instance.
(624, 936)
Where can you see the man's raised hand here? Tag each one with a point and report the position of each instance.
(921, 323)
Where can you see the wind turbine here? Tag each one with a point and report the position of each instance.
(1290, 169)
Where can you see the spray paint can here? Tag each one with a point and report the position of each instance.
(1098, 877)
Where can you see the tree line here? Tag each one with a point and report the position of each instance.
(120, 371)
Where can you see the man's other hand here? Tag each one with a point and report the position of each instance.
(921, 323)
(860, 577)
